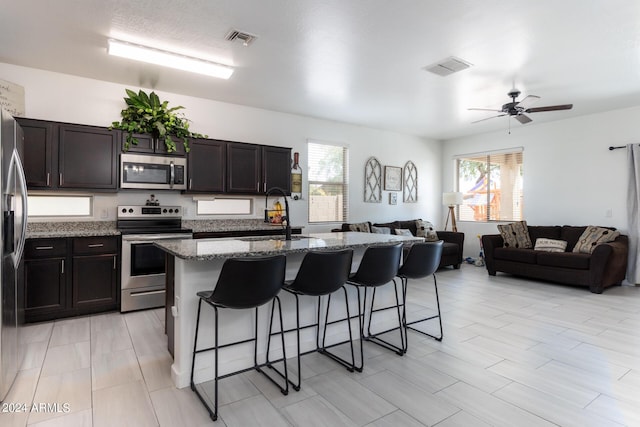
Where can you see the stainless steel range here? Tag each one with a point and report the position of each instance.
(143, 264)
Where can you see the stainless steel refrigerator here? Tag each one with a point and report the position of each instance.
(12, 237)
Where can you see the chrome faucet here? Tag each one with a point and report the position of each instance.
(287, 230)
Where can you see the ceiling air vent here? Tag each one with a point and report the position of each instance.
(448, 66)
(245, 38)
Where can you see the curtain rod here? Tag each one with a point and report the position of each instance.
(611, 148)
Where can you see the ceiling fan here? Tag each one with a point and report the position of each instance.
(518, 109)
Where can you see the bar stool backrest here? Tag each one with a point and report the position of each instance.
(379, 265)
(322, 272)
(422, 261)
(249, 282)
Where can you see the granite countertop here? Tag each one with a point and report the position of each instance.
(216, 225)
(208, 249)
(40, 230)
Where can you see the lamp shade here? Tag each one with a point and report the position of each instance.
(452, 198)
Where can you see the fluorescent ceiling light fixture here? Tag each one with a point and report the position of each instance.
(168, 59)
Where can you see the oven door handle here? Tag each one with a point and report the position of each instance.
(147, 238)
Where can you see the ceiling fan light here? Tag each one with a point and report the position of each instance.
(168, 59)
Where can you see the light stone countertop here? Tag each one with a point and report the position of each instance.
(208, 249)
(43, 230)
(53, 229)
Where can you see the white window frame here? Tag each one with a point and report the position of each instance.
(516, 195)
(344, 183)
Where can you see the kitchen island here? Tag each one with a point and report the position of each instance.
(194, 265)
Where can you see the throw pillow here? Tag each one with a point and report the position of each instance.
(380, 230)
(592, 237)
(425, 229)
(515, 235)
(363, 227)
(403, 232)
(550, 245)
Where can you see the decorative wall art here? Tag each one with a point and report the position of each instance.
(392, 178)
(373, 181)
(393, 198)
(410, 187)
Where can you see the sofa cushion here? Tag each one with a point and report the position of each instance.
(515, 235)
(380, 230)
(425, 229)
(547, 232)
(408, 225)
(571, 234)
(550, 245)
(363, 227)
(449, 248)
(527, 256)
(565, 260)
(403, 232)
(593, 236)
(390, 225)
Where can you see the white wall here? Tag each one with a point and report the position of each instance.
(60, 97)
(570, 176)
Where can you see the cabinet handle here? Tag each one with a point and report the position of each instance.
(61, 178)
(62, 267)
(44, 248)
(48, 178)
(96, 245)
(190, 183)
(264, 187)
(114, 262)
(258, 187)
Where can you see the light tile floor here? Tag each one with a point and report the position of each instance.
(515, 353)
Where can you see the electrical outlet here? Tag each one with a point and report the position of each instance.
(608, 213)
(104, 213)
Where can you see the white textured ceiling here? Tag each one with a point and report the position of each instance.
(356, 61)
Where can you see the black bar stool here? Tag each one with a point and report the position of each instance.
(243, 283)
(422, 261)
(379, 266)
(321, 273)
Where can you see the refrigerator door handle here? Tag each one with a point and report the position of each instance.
(22, 181)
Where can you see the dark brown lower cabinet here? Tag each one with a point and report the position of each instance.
(66, 277)
(95, 281)
(45, 288)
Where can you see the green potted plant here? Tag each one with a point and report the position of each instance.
(145, 113)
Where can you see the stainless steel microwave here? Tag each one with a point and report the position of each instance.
(152, 172)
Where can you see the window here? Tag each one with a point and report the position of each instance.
(328, 180)
(491, 184)
(60, 206)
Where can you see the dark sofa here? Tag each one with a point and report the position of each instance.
(605, 266)
(452, 246)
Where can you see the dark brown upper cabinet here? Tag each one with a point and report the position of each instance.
(253, 169)
(207, 166)
(38, 152)
(149, 145)
(243, 168)
(276, 168)
(69, 156)
(88, 157)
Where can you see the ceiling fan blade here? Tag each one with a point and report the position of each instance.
(549, 108)
(522, 118)
(484, 109)
(487, 118)
(527, 101)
